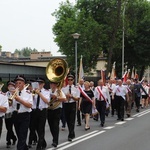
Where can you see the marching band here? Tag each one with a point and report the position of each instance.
(28, 108)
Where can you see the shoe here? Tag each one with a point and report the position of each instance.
(137, 110)
(88, 128)
(122, 119)
(14, 141)
(128, 115)
(29, 146)
(102, 124)
(70, 139)
(95, 119)
(54, 144)
(7, 146)
(118, 119)
(78, 124)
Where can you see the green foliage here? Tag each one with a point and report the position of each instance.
(100, 24)
(25, 52)
(0, 48)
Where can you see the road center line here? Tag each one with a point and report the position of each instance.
(144, 114)
(83, 139)
(121, 122)
(140, 113)
(110, 127)
(129, 119)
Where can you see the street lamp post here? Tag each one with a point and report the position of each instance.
(76, 36)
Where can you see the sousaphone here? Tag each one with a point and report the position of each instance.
(56, 71)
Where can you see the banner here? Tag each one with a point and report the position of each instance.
(81, 71)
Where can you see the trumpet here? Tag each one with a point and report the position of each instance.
(10, 99)
(1, 85)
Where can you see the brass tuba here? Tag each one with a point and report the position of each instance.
(56, 71)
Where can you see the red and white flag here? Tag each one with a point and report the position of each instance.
(113, 72)
(132, 74)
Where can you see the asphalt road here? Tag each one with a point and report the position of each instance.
(131, 134)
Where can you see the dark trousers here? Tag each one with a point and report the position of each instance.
(101, 107)
(1, 125)
(137, 101)
(70, 114)
(33, 132)
(53, 117)
(120, 103)
(21, 123)
(10, 133)
(39, 121)
(78, 115)
(62, 117)
(113, 105)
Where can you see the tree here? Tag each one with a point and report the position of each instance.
(25, 51)
(100, 26)
(0, 48)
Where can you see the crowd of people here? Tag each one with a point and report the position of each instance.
(28, 105)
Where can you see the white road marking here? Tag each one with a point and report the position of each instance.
(110, 127)
(144, 113)
(121, 122)
(129, 119)
(60, 145)
(86, 138)
(140, 113)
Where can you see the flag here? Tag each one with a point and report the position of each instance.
(132, 74)
(136, 75)
(103, 76)
(124, 77)
(128, 74)
(81, 71)
(113, 72)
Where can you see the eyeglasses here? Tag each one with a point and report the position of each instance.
(70, 79)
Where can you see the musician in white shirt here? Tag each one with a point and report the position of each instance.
(121, 93)
(102, 100)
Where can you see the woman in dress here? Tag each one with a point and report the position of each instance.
(86, 102)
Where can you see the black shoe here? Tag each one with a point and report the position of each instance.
(7, 146)
(54, 144)
(87, 128)
(102, 124)
(96, 119)
(70, 139)
(29, 146)
(122, 119)
(128, 115)
(137, 110)
(118, 119)
(14, 141)
(78, 124)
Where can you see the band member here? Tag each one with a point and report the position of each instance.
(102, 100)
(10, 135)
(32, 132)
(54, 111)
(72, 95)
(3, 108)
(130, 88)
(87, 101)
(40, 104)
(121, 95)
(137, 89)
(22, 105)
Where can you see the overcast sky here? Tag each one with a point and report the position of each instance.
(28, 23)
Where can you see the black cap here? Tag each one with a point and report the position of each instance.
(40, 80)
(10, 83)
(20, 78)
(70, 76)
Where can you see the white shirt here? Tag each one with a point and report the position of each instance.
(62, 96)
(74, 91)
(4, 103)
(25, 96)
(146, 88)
(42, 104)
(120, 91)
(105, 93)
